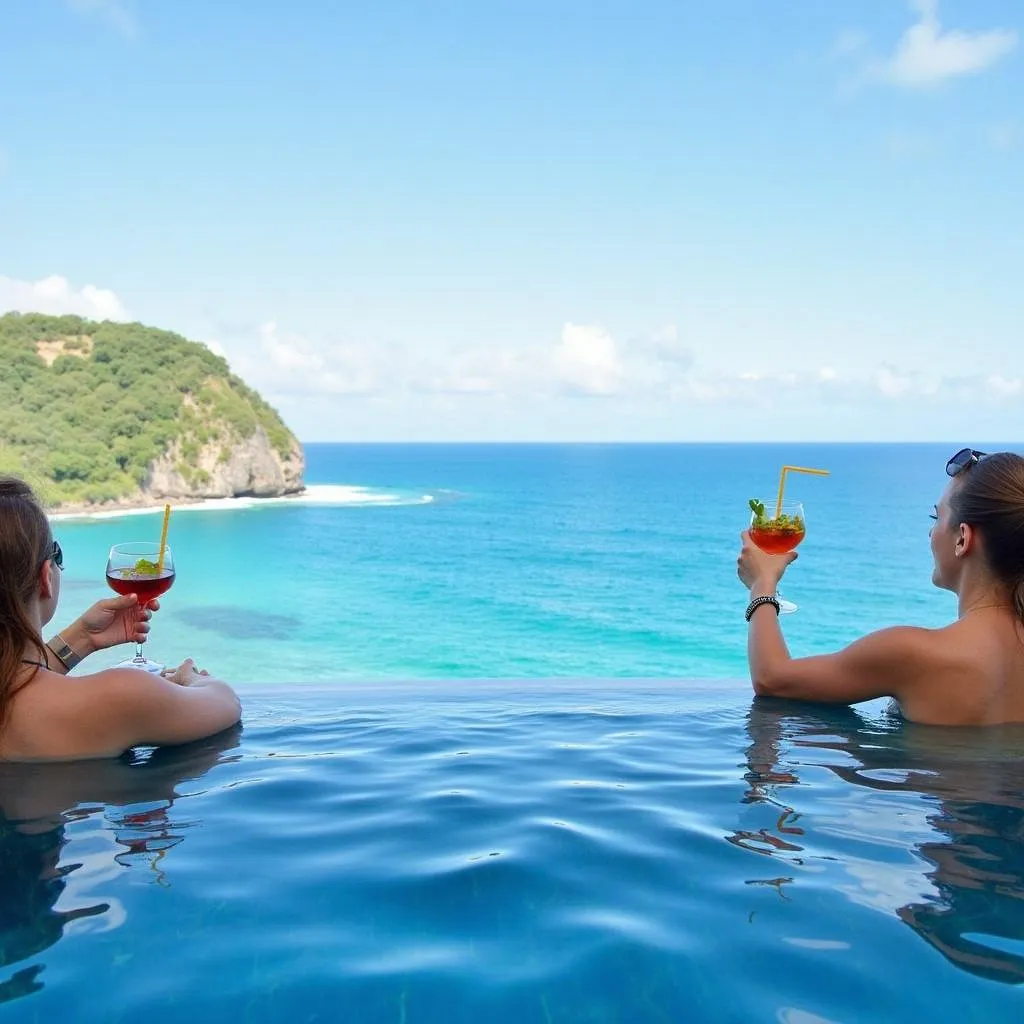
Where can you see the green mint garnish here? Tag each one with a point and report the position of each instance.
(782, 524)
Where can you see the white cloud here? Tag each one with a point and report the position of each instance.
(895, 385)
(927, 54)
(881, 386)
(586, 361)
(118, 14)
(1004, 387)
(55, 295)
(891, 383)
(287, 363)
(665, 345)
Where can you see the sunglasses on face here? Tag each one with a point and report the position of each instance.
(56, 555)
(962, 460)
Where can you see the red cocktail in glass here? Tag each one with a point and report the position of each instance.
(136, 569)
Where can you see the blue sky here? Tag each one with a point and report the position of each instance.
(721, 219)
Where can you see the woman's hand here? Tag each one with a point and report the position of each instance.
(185, 674)
(113, 621)
(756, 568)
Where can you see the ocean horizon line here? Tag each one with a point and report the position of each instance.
(995, 444)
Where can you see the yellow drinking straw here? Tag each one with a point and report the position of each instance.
(163, 538)
(782, 482)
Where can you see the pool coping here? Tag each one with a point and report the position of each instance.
(468, 687)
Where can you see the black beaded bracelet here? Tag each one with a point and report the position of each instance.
(758, 601)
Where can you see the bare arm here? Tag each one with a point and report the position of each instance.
(112, 621)
(882, 664)
(132, 708)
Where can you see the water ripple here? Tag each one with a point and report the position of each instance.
(506, 856)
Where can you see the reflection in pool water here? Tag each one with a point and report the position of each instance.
(522, 852)
(967, 784)
(37, 804)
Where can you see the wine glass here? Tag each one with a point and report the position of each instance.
(135, 569)
(778, 534)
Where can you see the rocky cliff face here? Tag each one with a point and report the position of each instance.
(252, 467)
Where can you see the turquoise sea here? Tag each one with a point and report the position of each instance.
(499, 764)
(510, 561)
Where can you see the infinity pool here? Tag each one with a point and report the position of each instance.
(549, 852)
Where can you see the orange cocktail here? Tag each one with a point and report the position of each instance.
(777, 534)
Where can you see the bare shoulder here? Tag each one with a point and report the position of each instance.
(929, 653)
(900, 658)
(124, 707)
(56, 717)
(130, 685)
(112, 692)
(898, 643)
(886, 663)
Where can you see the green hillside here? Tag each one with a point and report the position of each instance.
(86, 407)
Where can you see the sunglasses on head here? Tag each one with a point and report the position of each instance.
(962, 460)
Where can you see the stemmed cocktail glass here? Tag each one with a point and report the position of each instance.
(137, 569)
(777, 530)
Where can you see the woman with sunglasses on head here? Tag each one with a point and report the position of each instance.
(47, 715)
(968, 673)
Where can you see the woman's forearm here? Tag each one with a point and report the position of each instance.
(76, 637)
(767, 652)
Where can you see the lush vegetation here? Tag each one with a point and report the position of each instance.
(114, 398)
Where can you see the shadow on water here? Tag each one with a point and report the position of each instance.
(38, 802)
(971, 785)
(239, 623)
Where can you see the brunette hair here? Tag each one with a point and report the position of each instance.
(25, 544)
(990, 496)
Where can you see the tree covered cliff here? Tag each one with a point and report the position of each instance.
(99, 412)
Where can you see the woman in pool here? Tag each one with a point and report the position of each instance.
(968, 673)
(44, 715)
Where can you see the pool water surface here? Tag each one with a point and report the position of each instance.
(522, 852)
